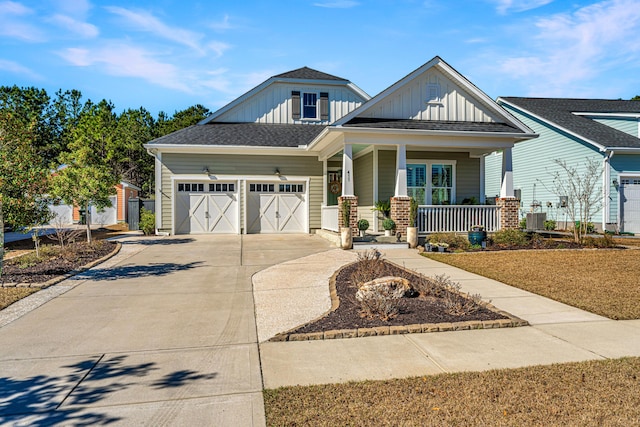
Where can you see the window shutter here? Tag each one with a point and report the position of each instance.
(324, 106)
(295, 104)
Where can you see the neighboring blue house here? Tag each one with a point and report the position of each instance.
(575, 130)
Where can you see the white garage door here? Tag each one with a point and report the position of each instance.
(630, 205)
(62, 214)
(276, 207)
(206, 208)
(106, 216)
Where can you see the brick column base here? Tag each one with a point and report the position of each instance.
(509, 212)
(353, 216)
(400, 207)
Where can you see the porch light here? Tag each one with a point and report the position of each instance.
(277, 172)
(615, 182)
(205, 170)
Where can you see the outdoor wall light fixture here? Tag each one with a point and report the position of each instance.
(205, 170)
(615, 182)
(277, 172)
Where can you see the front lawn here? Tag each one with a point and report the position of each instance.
(603, 281)
(575, 394)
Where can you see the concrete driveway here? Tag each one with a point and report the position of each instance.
(165, 335)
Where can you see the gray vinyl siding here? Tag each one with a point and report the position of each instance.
(467, 171)
(386, 174)
(242, 166)
(363, 182)
(493, 174)
(627, 125)
(534, 166)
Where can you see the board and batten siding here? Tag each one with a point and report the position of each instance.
(273, 104)
(242, 166)
(534, 165)
(627, 125)
(410, 102)
(363, 179)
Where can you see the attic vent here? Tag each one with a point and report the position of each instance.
(433, 92)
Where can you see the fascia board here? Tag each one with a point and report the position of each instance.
(229, 149)
(624, 150)
(422, 132)
(604, 115)
(552, 124)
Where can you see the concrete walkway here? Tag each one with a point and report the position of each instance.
(558, 333)
(162, 334)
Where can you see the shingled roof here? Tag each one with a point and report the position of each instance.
(307, 73)
(242, 134)
(561, 112)
(439, 125)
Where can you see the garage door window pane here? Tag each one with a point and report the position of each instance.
(180, 187)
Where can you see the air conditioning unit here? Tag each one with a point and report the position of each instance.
(535, 221)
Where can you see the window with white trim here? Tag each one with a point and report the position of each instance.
(222, 188)
(189, 187)
(309, 105)
(432, 182)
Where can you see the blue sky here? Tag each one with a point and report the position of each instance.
(166, 55)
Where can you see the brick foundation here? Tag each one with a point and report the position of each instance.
(509, 212)
(400, 207)
(353, 216)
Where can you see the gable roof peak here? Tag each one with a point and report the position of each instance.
(306, 73)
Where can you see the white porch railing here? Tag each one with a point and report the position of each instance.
(329, 218)
(457, 218)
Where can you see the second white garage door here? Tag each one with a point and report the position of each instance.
(630, 205)
(276, 207)
(206, 208)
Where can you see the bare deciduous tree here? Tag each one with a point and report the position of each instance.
(583, 192)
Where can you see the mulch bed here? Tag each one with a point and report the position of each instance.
(76, 255)
(416, 310)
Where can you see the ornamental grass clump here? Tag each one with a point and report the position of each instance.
(369, 266)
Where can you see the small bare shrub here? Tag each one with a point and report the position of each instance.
(63, 234)
(457, 303)
(605, 241)
(380, 302)
(369, 266)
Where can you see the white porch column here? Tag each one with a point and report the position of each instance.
(347, 171)
(401, 171)
(506, 188)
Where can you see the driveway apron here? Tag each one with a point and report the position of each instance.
(165, 335)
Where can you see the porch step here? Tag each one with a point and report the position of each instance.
(381, 246)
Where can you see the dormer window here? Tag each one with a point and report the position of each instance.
(310, 105)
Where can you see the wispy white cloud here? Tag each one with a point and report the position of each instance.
(569, 49)
(15, 68)
(218, 48)
(13, 24)
(223, 25)
(144, 21)
(339, 4)
(121, 59)
(80, 28)
(506, 6)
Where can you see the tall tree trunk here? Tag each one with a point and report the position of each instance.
(87, 216)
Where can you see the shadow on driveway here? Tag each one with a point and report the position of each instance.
(133, 271)
(41, 396)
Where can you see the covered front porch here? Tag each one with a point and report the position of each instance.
(447, 185)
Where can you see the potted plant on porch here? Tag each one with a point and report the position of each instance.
(389, 225)
(363, 225)
(346, 239)
(412, 230)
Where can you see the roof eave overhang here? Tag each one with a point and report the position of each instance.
(600, 147)
(227, 149)
(624, 150)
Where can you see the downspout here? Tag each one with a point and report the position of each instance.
(606, 189)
